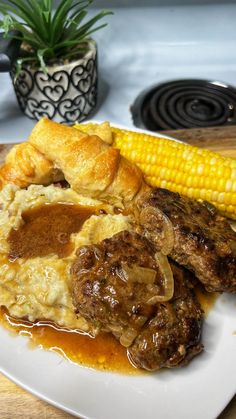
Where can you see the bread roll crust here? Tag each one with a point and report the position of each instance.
(89, 164)
(24, 165)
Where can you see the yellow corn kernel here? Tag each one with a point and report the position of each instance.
(194, 172)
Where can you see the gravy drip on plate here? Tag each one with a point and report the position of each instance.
(47, 229)
(206, 299)
(103, 352)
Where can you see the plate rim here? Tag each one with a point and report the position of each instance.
(50, 400)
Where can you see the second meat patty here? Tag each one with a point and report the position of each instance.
(203, 241)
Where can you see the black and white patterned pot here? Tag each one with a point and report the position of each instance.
(67, 93)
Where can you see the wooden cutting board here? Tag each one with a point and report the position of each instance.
(17, 403)
(219, 139)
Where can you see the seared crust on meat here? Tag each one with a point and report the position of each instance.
(204, 242)
(161, 334)
(101, 292)
(172, 337)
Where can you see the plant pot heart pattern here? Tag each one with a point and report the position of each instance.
(92, 96)
(24, 82)
(53, 86)
(36, 110)
(67, 93)
(21, 101)
(83, 77)
(85, 84)
(71, 110)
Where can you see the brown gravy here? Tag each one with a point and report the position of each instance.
(103, 352)
(47, 229)
(206, 299)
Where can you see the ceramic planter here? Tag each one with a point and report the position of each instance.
(67, 93)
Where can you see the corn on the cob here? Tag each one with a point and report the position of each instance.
(191, 171)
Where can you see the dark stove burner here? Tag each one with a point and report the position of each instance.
(185, 104)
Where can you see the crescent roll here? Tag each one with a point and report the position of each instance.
(25, 165)
(102, 130)
(89, 165)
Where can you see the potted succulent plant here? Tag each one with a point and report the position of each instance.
(55, 73)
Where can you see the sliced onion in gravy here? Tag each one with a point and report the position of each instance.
(151, 215)
(166, 271)
(137, 273)
(128, 337)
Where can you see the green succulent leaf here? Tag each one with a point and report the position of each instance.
(40, 54)
(7, 24)
(49, 35)
(19, 64)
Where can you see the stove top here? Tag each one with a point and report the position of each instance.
(143, 46)
(189, 103)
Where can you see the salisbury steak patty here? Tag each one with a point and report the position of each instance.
(203, 240)
(114, 283)
(104, 290)
(172, 337)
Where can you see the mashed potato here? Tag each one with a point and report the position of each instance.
(40, 287)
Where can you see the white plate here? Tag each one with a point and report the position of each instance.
(200, 390)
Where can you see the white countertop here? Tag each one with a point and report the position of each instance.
(142, 46)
